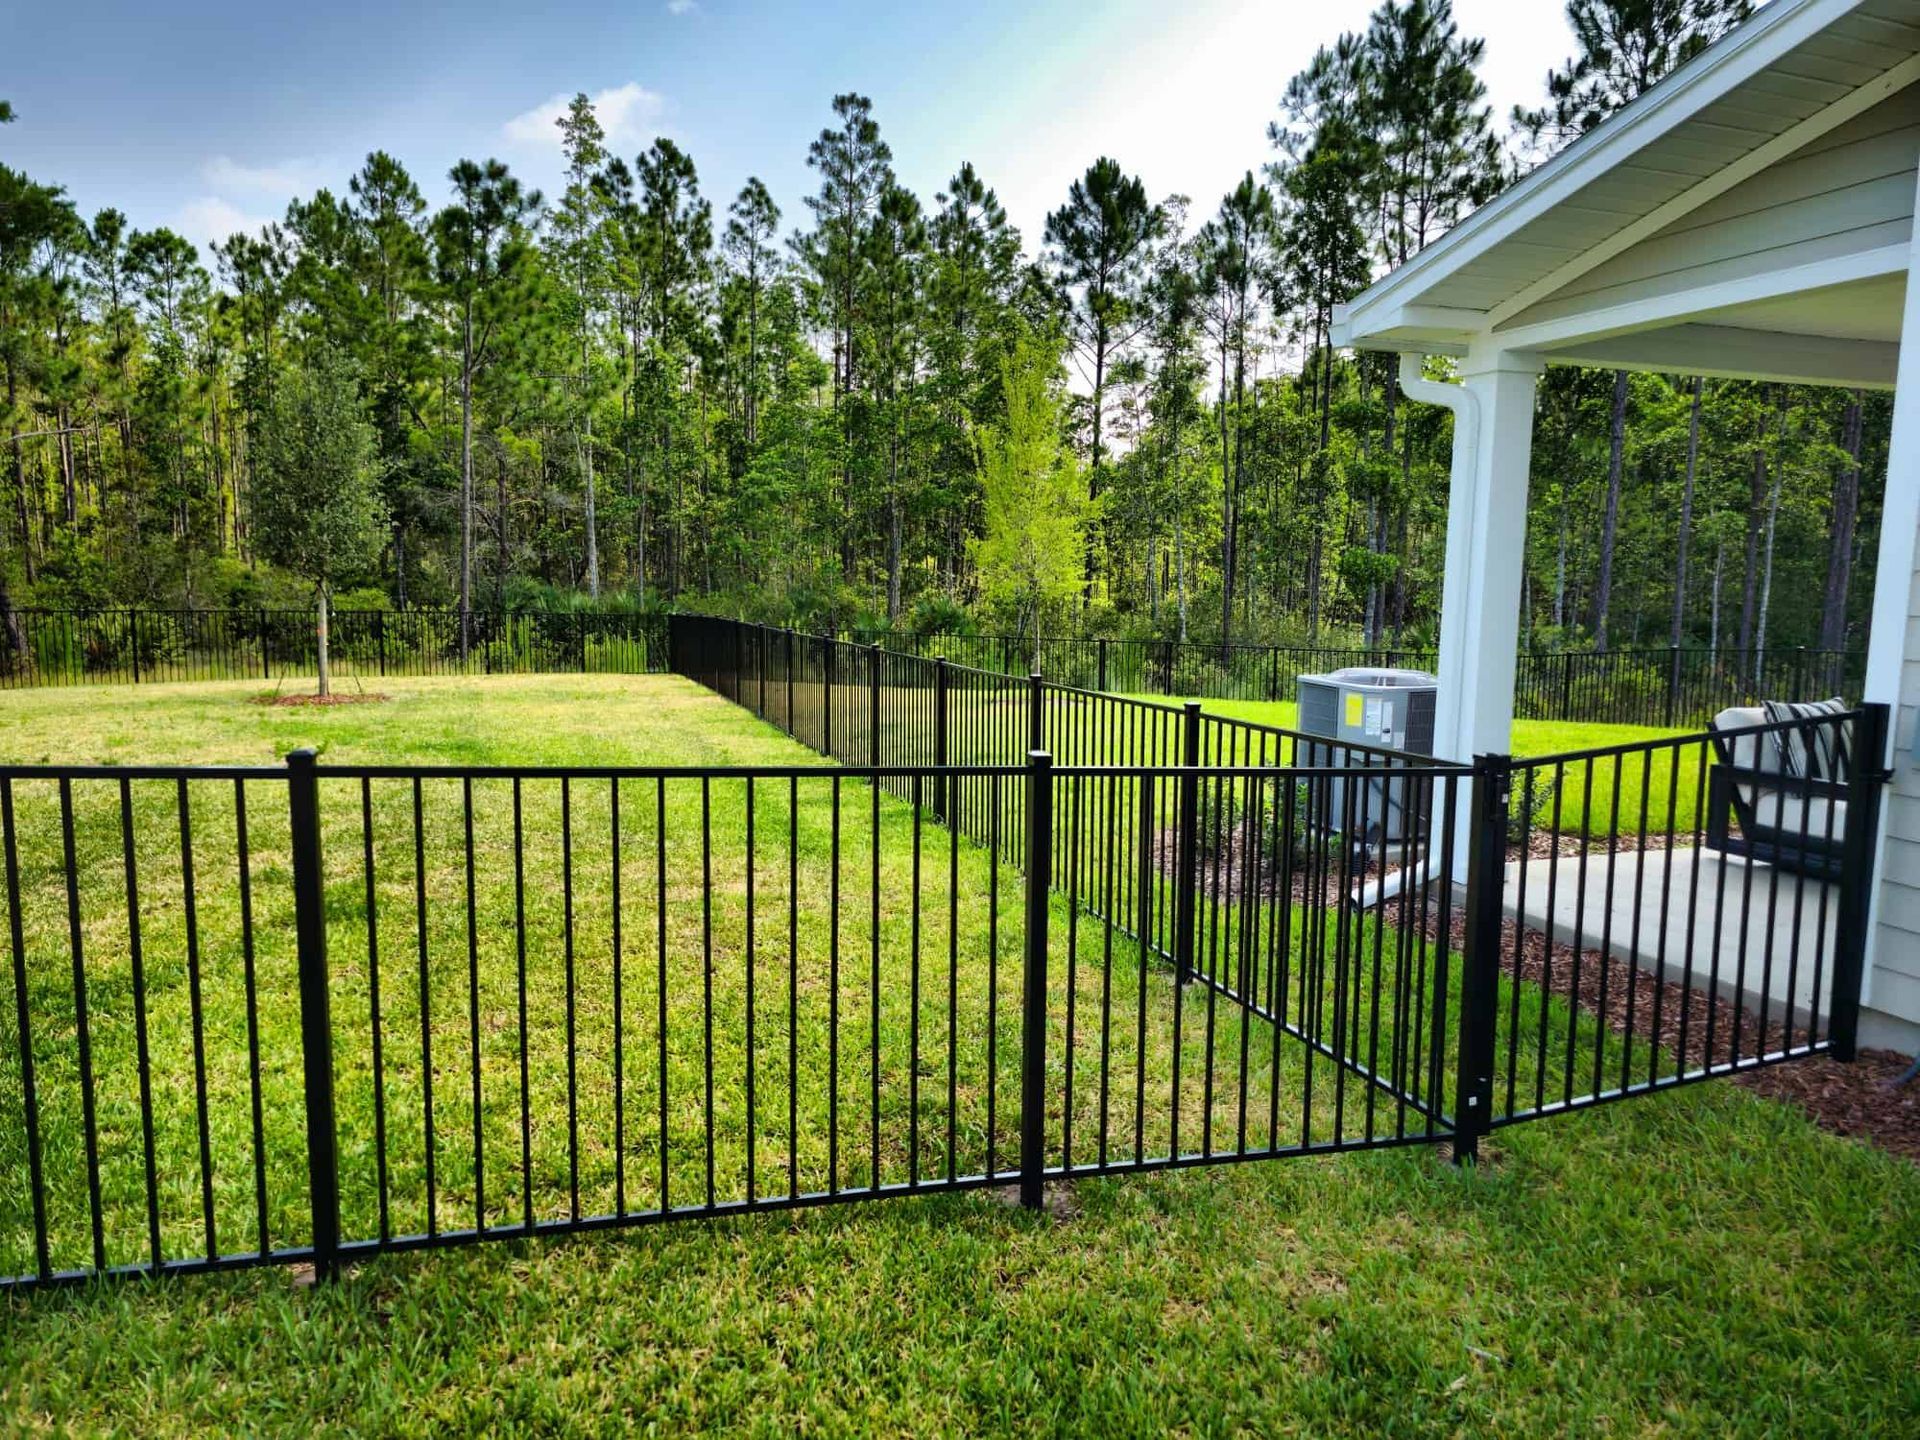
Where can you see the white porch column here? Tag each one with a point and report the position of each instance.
(1486, 553)
(1892, 980)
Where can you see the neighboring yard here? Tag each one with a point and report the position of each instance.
(1704, 1262)
(1588, 790)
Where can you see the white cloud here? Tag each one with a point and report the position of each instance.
(210, 218)
(281, 180)
(630, 115)
(683, 7)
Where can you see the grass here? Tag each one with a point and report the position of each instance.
(1700, 1262)
(1666, 781)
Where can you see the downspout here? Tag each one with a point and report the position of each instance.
(1465, 406)
(1457, 398)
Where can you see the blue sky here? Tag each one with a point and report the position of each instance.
(210, 116)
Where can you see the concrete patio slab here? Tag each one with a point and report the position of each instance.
(1642, 906)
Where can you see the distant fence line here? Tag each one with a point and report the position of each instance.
(1670, 686)
(129, 646)
(1664, 686)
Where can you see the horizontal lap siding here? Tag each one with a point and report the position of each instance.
(1895, 984)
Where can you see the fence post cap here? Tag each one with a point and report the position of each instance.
(305, 756)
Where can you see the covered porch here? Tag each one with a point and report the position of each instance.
(1751, 217)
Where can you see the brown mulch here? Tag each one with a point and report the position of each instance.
(1856, 1100)
(357, 698)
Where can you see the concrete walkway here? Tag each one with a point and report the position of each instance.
(1641, 907)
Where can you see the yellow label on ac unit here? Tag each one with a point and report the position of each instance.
(1355, 709)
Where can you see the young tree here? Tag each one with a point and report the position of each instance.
(1031, 553)
(317, 495)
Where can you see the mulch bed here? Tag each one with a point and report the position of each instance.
(358, 698)
(1857, 1100)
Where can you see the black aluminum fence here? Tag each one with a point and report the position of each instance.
(61, 647)
(321, 1012)
(1634, 917)
(1665, 686)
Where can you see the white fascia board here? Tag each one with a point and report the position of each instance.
(1434, 329)
(1751, 47)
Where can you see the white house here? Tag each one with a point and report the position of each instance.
(1751, 216)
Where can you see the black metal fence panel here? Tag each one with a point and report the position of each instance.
(1667, 687)
(1021, 932)
(55, 647)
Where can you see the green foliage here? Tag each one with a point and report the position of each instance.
(623, 393)
(1031, 554)
(317, 499)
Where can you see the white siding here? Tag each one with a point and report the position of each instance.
(1895, 986)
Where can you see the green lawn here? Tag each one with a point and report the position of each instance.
(1703, 1262)
(1644, 789)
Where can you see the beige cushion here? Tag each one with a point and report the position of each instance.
(1749, 752)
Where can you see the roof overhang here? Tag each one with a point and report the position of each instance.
(1796, 72)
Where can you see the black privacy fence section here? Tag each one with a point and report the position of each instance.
(59, 647)
(1009, 933)
(1665, 686)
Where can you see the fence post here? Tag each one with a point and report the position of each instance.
(266, 652)
(873, 707)
(1033, 994)
(940, 782)
(1673, 683)
(1855, 916)
(380, 639)
(1566, 687)
(1480, 961)
(1187, 841)
(789, 635)
(760, 664)
(133, 641)
(829, 645)
(1103, 665)
(1036, 712)
(316, 1023)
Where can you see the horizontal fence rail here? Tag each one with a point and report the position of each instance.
(57, 647)
(1020, 932)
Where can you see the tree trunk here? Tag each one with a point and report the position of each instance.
(320, 639)
(1610, 524)
(466, 484)
(1756, 512)
(1686, 518)
(1846, 508)
(1766, 582)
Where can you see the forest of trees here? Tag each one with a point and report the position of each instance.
(633, 393)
